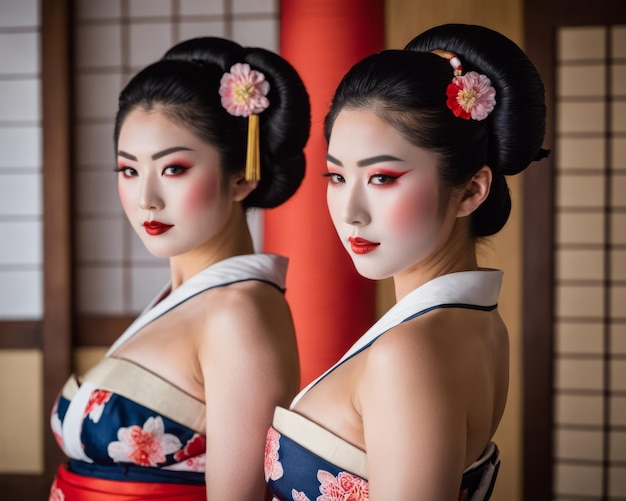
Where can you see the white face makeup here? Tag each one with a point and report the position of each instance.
(170, 184)
(383, 195)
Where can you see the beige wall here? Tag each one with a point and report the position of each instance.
(404, 20)
(21, 439)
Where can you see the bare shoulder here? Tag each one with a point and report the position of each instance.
(247, 308)
(417, 340)
(438, 370)
(440, 349)
(248, 292)
(248, 325)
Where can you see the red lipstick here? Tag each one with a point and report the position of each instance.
(361, 246)
(155, 227)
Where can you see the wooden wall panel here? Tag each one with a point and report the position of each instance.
(57, 161)
(407, 18)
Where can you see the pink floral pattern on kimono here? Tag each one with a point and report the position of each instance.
(95, 406)
(196, 464)
(145, 446)
(56, 494)
(194, 447)
(343, 487)
(192, 457)
(273, 468)
(299, 495)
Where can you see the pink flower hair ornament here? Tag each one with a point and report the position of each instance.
(470, 95)
(243, 92)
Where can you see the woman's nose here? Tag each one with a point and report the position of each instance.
(150, 197)
(356, 209)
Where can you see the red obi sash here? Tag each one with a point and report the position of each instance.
(69, 486)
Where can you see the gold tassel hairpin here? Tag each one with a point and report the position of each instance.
(253, 153)
(243, 93)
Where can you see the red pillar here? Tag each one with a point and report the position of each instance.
(331, 304)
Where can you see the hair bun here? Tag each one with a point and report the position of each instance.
(518, 121)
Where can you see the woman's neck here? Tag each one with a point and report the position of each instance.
(233, 240)
(458, 253)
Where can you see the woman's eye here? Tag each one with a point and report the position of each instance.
(334, 178)
(126, 171)
(382, 179)
(174, 170)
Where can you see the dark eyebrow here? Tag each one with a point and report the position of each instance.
(160, 154)
(366, 161)
(126, 155)
(333, 160)
(157, 155)
(375, 160)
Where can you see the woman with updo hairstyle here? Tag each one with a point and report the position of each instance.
(179, 406)
(419, 143)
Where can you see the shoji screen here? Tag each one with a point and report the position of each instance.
(21, 260)
(20, 162)
(590, 263)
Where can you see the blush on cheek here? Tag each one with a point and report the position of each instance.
(200, 195)
(413, 213)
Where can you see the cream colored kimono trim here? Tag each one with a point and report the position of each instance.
(334, 449)
(145, 388)
(321, 442)
(70, 388)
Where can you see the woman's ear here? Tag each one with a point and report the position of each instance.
(476, 191)
(241, 187)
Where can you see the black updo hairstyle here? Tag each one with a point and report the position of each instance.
(407, 88)
(184, 85)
